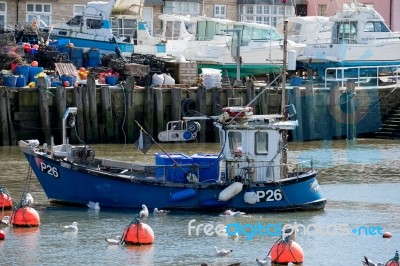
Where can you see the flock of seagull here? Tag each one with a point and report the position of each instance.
(27, 200)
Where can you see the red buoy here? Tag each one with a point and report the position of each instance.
(285, 252)
(138, 234)
(25, 217)
(5, 201)
(2, 235)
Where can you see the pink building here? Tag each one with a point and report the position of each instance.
(389, 9)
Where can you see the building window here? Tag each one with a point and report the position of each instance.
(265, 14)
(40, 12)
(123, 27)
(78, 9)
(322, 10)
(181, 8)
(220, 11)
(3, 15)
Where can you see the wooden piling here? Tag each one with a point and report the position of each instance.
(149, 110)
(309, 130)
(159, 101)
(351, 114)
(77, 99)
(108, 121)
(61, 107)
(216, 107)
(93, 119)
(44, 109)
(130, 98)
(263, 105)
(176, 104)
(335, 109)
(4, 132)
(250, 93)
(201, 105)
(297, 99)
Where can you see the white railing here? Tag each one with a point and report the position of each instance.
(372, 76)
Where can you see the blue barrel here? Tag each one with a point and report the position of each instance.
(76, 53)
(183, 194)
(78, 63)
(9, 81)
(93, 58)
(112, 80)
(24, 71)
(21, 81)
(33, 71)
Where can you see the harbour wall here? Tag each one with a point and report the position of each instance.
(108, 114)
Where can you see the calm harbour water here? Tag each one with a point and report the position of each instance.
(360, 179)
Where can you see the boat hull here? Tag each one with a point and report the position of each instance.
(70, 183)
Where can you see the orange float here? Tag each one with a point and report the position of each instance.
(2, 235)
(387, 235)
(25, 217)
(285, 252)
(394, 261)
(5, 201)
(138, 234)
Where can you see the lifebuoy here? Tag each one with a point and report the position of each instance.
(193, 126)
(188, 105)
(187, 135)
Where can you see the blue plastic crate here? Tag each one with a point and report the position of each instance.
(208, 166)
(167, 169)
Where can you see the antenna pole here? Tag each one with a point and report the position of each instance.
(285, 22)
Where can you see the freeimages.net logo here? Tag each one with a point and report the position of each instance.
(249, 231)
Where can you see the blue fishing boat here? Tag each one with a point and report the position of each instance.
(92, 27)
(251, 172)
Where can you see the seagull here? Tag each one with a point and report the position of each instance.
(143, 214)
(368, 262)
(232, 213)
(266, 262)
(27, 200)
(93, 205)
(72, 227)
(6, 220)
(222, 252)
(114, 241)
(160, 212)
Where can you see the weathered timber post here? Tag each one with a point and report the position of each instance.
(130, 107)
(61, 106)
(44, 109)
(201, 103)
(334, 109)
(351, 114)
(107, 133)
(311, 109)
(4, 132)
(263, 101)
(250, 93)
(91, 90)
(158, 95)
(298, 132)
(80, 121)
(176, 104)
(216, 107)
(149, 110)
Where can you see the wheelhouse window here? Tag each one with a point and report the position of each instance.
(39, 12)
(261, 143)
(235, 142)
(94, 23)
(375, 26)
(75, 21)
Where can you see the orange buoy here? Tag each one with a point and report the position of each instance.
(387, 235)
(138, 234)
(393, 261)
(26, 217)
(2, 235)
(285, 252)
(5, 201)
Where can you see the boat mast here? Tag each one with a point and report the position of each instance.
(285, 22)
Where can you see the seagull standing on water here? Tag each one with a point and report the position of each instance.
(113, 241)
(266, 262)
(160, 212)
(6, 220)
(223, 252)
(72, 227)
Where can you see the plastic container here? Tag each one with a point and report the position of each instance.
(9, 81)
(70, 79)
(21, 82)
(295, 81)
(167, 169)
(78, 63)
(33, 71)
(208, 166)
(112, 80)
(76, 53)
(24, 71)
